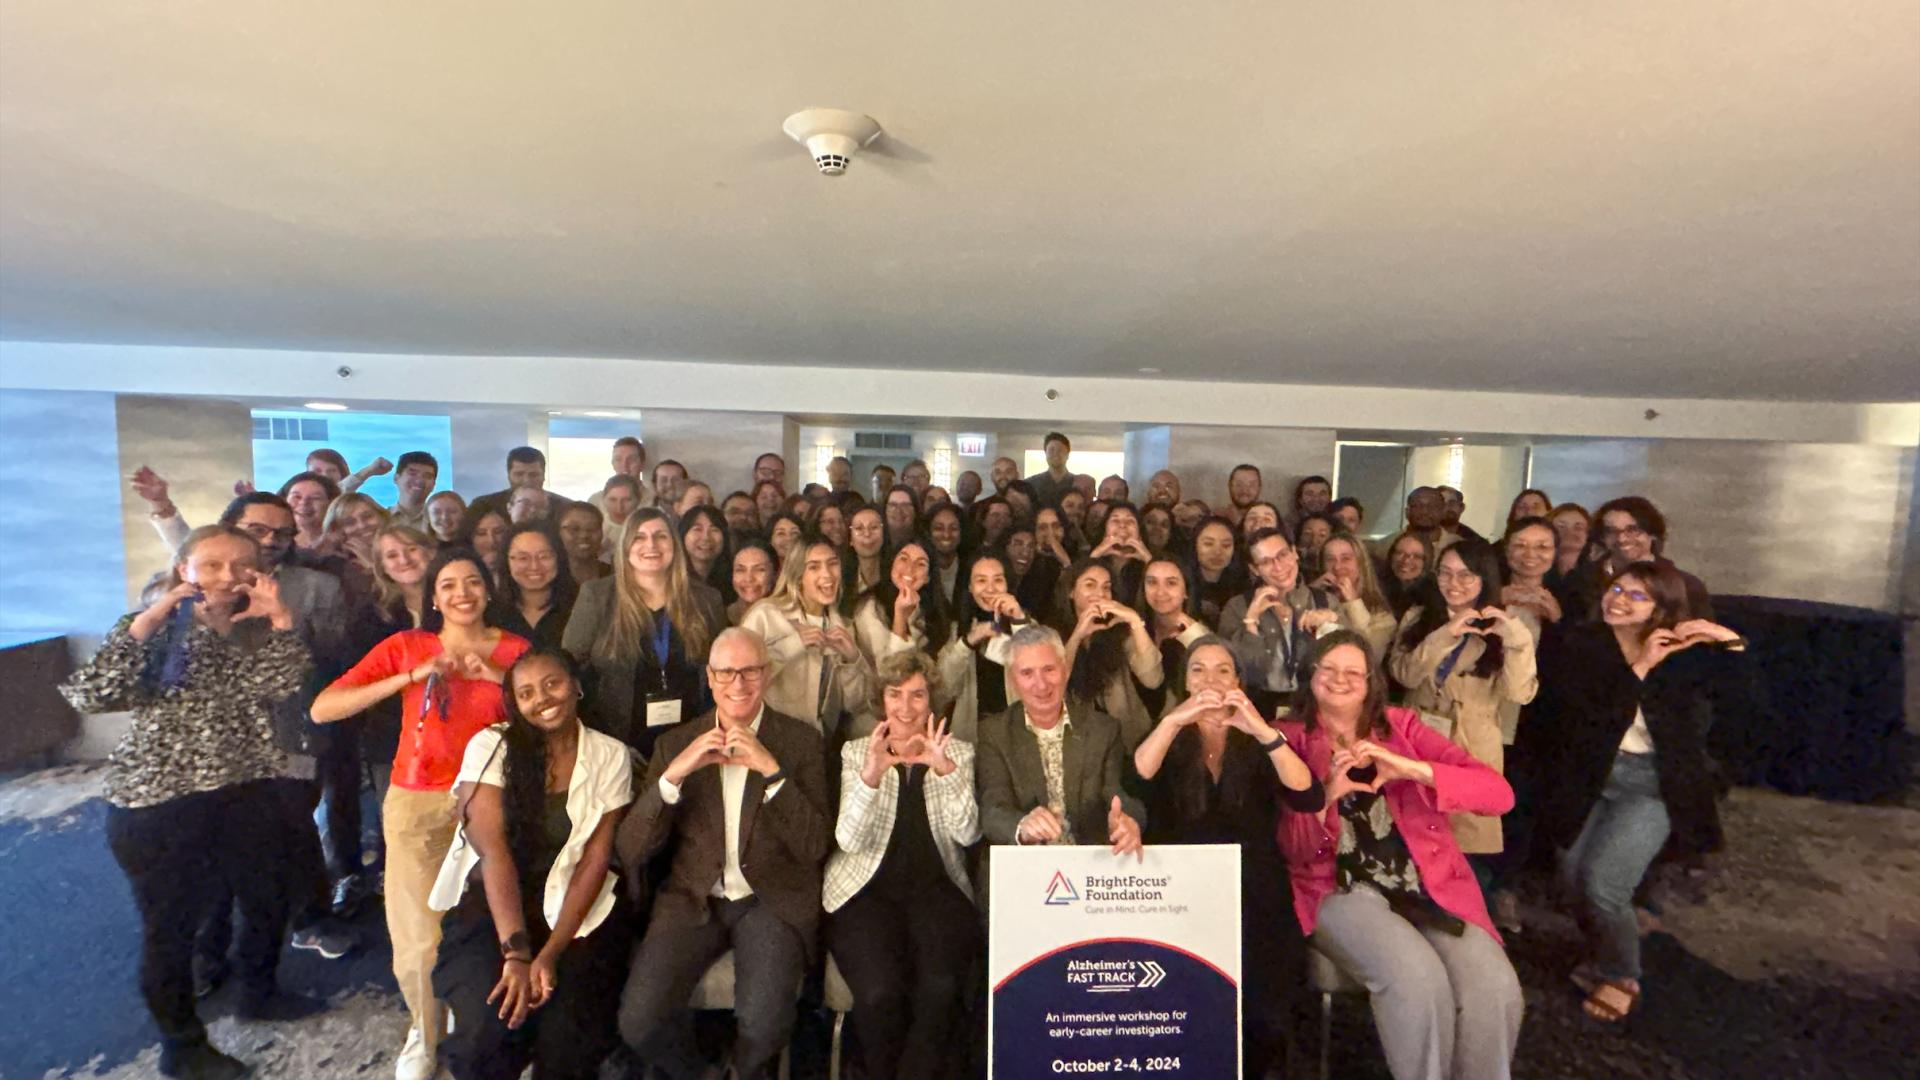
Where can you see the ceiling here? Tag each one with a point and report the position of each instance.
(1712, 199)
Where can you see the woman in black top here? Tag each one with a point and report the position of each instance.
(1220, 572)
(537, 589)
(709, 549)
(1624, 755)
(1218, 773)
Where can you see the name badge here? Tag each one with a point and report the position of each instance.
(664, 713)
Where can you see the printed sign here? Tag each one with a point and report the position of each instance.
(971, 445)
(1110, 965)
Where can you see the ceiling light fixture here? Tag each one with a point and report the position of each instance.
(831, 135)
(326, 406)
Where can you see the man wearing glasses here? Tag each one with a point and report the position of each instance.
(1633, 530)
(741, 794)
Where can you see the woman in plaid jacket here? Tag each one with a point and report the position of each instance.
(900, 917)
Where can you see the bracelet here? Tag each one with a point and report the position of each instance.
(1279, 740)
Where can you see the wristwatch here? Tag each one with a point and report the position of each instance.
(1279, 740)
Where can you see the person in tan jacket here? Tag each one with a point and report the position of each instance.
(818, 671)
(1463, 660)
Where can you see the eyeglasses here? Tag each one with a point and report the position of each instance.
(261, 532)
(1634, 595)
(1444, 574)
(725, 676)
(524, 559)
(1631, 532)
(1282, 557)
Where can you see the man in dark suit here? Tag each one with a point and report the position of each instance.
(741, 794)
(1046, 777)
(526, 468)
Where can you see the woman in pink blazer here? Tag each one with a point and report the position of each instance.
(1379, 883)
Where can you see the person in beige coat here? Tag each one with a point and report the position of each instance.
(818, 671)
(1464, 660)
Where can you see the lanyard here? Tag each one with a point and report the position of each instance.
(1446, 666)
(826, 674)
(662, 643)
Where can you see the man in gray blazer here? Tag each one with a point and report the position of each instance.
(1046, 777)
(742, 794)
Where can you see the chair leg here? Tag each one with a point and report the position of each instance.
(1326, 1034)
(833, 1059)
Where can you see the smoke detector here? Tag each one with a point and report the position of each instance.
(831, 136)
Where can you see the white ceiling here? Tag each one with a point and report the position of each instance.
(1719, 198)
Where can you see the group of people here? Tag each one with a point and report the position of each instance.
(615, 739)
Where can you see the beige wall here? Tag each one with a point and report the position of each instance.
(1813, 521)
(1204, 455)
(716, 447)
(200, 445)
(1490, 476)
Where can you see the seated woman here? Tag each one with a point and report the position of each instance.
(1217, 773)
(191, 819)
(1347, 573)
(1111, 657)
(818, 673)
(905, 611)
(532, 961)
(901, 923)
(537, 590)
(1624, 762)
(1379, 884)
(1471, 664)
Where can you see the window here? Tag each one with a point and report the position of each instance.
(282, 439)
(578, 466)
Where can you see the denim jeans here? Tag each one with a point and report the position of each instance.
(1624, 831)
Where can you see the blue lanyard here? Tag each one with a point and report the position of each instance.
(662, 642)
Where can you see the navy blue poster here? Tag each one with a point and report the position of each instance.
(1116, 1007)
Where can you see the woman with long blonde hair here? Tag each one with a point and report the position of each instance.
(642, 633)
(818, 669)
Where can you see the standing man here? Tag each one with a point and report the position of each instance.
(413, 479)
(526, 467)
(669, 483)
(1114, 489)
(1456, 504)
(918, 477)
(1164, 487)
(629, 459)
(1243, 490)
(1046, 777)
(1426, 516)
(1312, 495)
(966, 489)
(1056, 481)
(770, 467)
(840, 475)
(879, 482)
(1004, 471)
(740, 795)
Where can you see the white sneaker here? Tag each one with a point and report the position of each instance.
(416, 1062)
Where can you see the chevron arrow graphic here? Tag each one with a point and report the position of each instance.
(1155, 974)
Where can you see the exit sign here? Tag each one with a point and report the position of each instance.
(971, 445)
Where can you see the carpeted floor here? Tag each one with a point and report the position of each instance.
(1799, 956)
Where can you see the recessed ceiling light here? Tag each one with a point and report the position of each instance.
(601, 412)
(326, 406)
(1149, 371)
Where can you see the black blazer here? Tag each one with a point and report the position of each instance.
(1591, 693)
(783, 842)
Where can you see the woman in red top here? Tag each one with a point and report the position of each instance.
(448, 673)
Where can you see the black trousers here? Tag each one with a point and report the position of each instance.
(186, 858)
(338, 770)
(300, 873)
(769, 960)
(907, 965)
(565, 1039)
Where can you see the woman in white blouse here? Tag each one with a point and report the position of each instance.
(818, 671)
(901, 923)
(531, 962)
(904, 612)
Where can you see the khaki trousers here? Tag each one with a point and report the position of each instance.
(419, 828)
